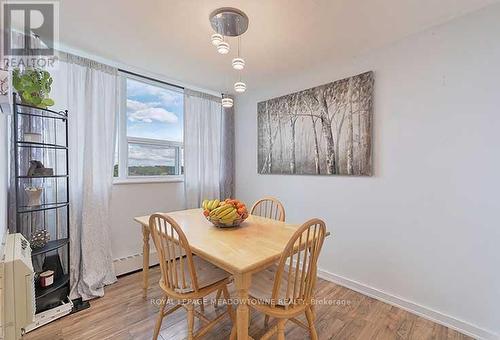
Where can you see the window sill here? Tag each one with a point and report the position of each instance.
(150, 180)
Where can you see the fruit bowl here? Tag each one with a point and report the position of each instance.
(217, 222)
(225, 214)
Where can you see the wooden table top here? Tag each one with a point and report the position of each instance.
(256, 243)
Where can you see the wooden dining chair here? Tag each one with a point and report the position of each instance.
(292, 281)
(185, 279)
(269, 207)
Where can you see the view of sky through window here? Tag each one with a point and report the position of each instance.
(154, 112)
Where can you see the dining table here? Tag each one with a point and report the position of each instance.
(242, 251)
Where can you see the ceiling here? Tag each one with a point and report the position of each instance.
(172, 38)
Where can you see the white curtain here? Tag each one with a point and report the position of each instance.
(89, 91)
(203, 138)
(227, 171)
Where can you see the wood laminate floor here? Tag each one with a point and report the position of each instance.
(123, 314)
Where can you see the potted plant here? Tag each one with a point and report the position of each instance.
(33, 86)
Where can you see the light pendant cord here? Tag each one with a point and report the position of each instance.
(239, 42)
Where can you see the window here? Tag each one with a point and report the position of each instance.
(150, 131)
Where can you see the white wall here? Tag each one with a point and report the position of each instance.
(426, 226)
(132, 200)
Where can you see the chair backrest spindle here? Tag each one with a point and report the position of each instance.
(269, 207)
(298, 264)
(171, 245)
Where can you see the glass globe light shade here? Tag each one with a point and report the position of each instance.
(240, 87)
(238, 63)
(227, 102)
(223, 47)
(217, 39)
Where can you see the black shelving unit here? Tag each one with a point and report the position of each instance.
(51, 245)
(58, 284)
(52, 211)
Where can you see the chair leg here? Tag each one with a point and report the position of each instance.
(190, 317)
(270, 332)
(232, 336)
(313, 303)
(266, 321)
(310, 321)
(228, 305)
(202, 305)
(217, 297)
(159, 318)
(281, 329)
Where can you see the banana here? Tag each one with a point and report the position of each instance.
(215, 204)
(229, 216)
(209, 204)
(204, 204)
(227, 212)
(215, 210)
(223, 210)
(222, 207)
(228, 221)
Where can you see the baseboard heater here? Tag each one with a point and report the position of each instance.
(132, 263)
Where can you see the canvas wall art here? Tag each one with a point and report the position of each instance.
(325, 130)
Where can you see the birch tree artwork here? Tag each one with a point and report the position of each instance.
(326, 130)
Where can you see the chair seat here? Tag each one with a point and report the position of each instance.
(262, 287)
(206, 273)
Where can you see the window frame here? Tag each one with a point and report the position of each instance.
(123, 140)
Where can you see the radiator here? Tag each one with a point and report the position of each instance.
(131, 263)
(17, 287)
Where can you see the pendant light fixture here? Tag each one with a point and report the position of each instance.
(217, 39)
(223, 47)
(240, 87)
(238, 62)
(229, 22)
(226, 102)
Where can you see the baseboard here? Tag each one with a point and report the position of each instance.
(427, 313)
(131, 263)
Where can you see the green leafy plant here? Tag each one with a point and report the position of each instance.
(33, 86)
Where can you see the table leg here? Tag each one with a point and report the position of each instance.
(242, 282)
(145, 261)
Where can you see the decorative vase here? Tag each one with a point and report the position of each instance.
(39, 239)
(34, 196)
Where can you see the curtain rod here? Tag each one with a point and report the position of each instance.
(149, 78)
(123, 68)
